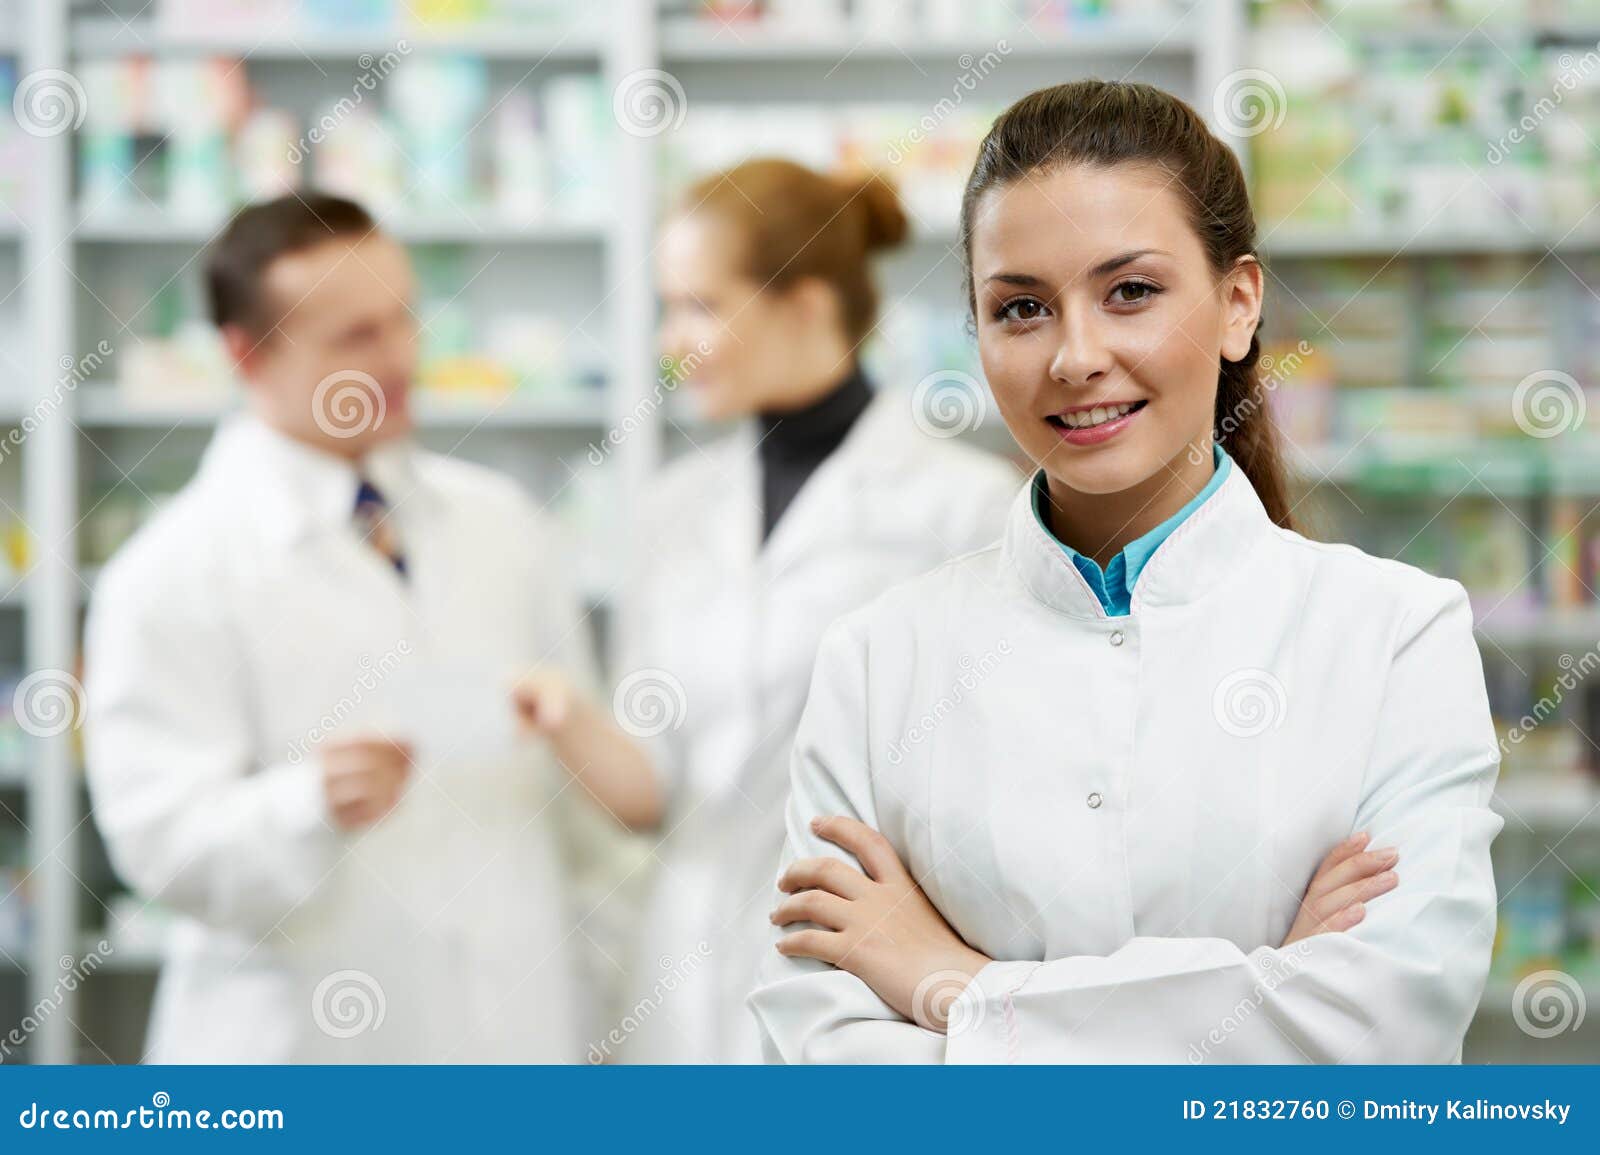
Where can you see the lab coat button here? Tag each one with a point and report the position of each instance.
(1095, 800)
(1116, 637)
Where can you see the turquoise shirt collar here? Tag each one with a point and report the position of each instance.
(1114, 585)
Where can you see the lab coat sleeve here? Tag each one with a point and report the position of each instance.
(642, 673)
(568, 641)
(190, 821)
(809, 1011)
(1401, 986)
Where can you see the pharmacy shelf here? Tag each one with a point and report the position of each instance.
(101, 406)
(1553, 807)
(1094, 42)
(1499, 997)
(1298, 243)
(1513, 624)
(1450, 35)
(454, 225)
(1430, 465)
(108, 36)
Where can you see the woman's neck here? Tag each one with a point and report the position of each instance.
(821, 421)
(1099, 525)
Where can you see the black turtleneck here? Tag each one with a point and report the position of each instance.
(793, 444)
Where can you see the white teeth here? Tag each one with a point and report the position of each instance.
(1099, 415)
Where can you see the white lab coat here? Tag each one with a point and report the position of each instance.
(247, 625)
(736, 622)
(1124, 813)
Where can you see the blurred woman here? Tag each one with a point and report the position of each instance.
(830, 492)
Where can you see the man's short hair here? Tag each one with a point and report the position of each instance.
(261, 233)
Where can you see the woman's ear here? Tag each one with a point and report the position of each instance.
(814, 302)
(1241, 307)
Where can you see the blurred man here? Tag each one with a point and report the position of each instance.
(299, 733)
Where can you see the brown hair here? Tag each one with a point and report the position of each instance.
(795, 223)
(261, 233)
(1118, 122)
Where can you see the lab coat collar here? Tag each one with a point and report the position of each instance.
(294, 490)
(882, 440)
(1195, 558)
(879, 439)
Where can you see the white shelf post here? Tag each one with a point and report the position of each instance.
(50, 502)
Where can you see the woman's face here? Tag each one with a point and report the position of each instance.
(1093, 298)
(734, 339)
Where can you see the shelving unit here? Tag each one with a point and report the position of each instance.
(66, 242)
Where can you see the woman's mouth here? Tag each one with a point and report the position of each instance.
(1092, 426)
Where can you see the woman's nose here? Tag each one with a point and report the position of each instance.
(1083, 355)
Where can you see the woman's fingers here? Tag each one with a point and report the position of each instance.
(818, 906)
(1361, 891)
(828, 874)
(1353, 845)
(1346, 918)
(1349, 877)
(826, 945)
(871, 849)
(1352, 869)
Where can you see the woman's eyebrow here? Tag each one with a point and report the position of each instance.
(1110, 265)
(1015, 278)
(1115, 263)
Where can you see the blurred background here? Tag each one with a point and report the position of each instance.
(1426, 174)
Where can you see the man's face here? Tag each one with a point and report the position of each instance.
(336, 369)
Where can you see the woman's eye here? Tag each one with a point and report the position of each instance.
(1132, 292)
(1021, 309)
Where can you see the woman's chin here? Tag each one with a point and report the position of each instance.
(1103, 470)
(711, 403)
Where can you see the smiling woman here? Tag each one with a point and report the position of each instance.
(1165, 826)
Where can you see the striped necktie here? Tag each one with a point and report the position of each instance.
(372, 519)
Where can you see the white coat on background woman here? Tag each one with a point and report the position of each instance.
(828, 495)
(1155, 779)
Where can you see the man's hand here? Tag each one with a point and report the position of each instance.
(363, 778)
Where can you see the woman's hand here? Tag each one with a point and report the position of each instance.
(544, 701)
(609, 764)
(1348, 878)
(879, 926)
